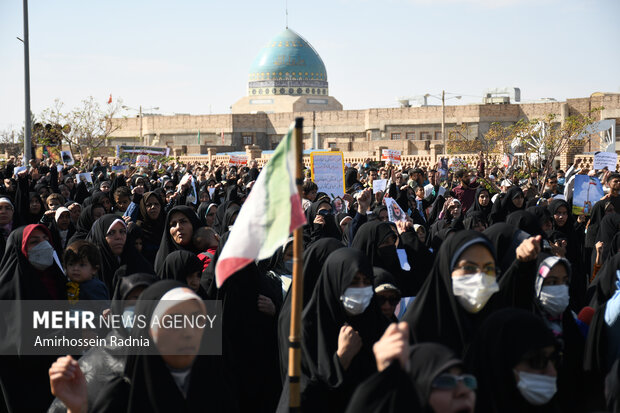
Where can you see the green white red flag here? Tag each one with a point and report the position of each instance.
(269, 215)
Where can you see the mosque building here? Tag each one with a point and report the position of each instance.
(288, 79)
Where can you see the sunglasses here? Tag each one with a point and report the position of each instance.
(450, 381)
(540, 360)
(392, 300)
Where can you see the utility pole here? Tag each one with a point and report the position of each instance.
(443, 121)
(141, 141)
(28, 119)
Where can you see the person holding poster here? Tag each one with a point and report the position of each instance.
(395, 213)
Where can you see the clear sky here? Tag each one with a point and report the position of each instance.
(192, 56)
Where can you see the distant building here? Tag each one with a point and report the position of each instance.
(288, 79)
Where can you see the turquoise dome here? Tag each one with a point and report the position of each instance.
(288, 65)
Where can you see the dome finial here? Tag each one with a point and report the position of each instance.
(286, 9)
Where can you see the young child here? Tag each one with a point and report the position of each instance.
(205, 239)
(82, 261)
(122, 199)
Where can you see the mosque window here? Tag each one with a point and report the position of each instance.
(273, 91)
(299, 91)
(290, 91)
(282, 91)
(253, 91)
(307, 90)
(313, 91)
(410, 136)
(260, 91)
(324, 91)
(266, 91)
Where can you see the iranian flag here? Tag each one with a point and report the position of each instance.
(271, 212)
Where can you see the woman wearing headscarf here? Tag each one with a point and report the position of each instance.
(85, 222)
(109, 233)
(482, 202)
(378, 240)
(550, 302)
(545, 219)
(162, 382)
(458, 294)
(513, 357)
(230, 217)
(450, 217)
(475, 220)
(206, 213)
(320, 222)
(432, 380)
(513, 200)
(28, 271)
(232, 198)
(184, 267)
(101, 364)
(387, 293)
(181, 222)
(314, 258)
(340, 324)
(153, 223)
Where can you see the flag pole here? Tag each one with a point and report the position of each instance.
(294, 342)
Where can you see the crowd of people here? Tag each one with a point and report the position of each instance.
(488, 294)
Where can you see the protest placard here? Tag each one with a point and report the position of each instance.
(86, 176)
(605, 159)
(587, 191)
(379, 185)
(395, 213)
(391, 155)
(142, 161)
(238, 160)
(119, 168)
(327, 170)
(67, 158)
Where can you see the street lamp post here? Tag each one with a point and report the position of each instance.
(140, 116)
(28, 119)
(443, 116)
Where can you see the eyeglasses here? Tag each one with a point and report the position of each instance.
(469, 269)
(450, 381)
(393, 300)
(540, 360)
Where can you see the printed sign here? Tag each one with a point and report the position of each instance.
(86, 176)
(605, 159)
(238, 160)
(142, 161)
(379, 185)
(119, 168)
(587, 191)
(390, 155)
(327, 170)
(395, 213)
(128, 154)
(67, 157)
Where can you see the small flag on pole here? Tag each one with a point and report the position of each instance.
(271, 212)
(110, 99)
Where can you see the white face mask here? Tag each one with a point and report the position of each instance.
(554, 299)
(128, 317)
(474, 290)
(356, 300)
(537, 389)
(41, 256)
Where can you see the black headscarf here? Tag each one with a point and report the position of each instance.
(167, 244)
(473, 218)
(110, 262)
(314, 258)
(394, 390)
(501, 342)
(526, 221)
(610, 226)
(178, 265)
(504, 205)
(203, 210)
(314, 232)
(436, 315)
(596, 216)
(325, 386)
(152, 229)
(542, 213)
(485, 210)
(505, 239)
(350, 179)
(84, 223)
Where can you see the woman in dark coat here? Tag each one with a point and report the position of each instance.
(153, 223)
(181, 222)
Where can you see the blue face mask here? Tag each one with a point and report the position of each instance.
(128, 317)
(561, 181)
